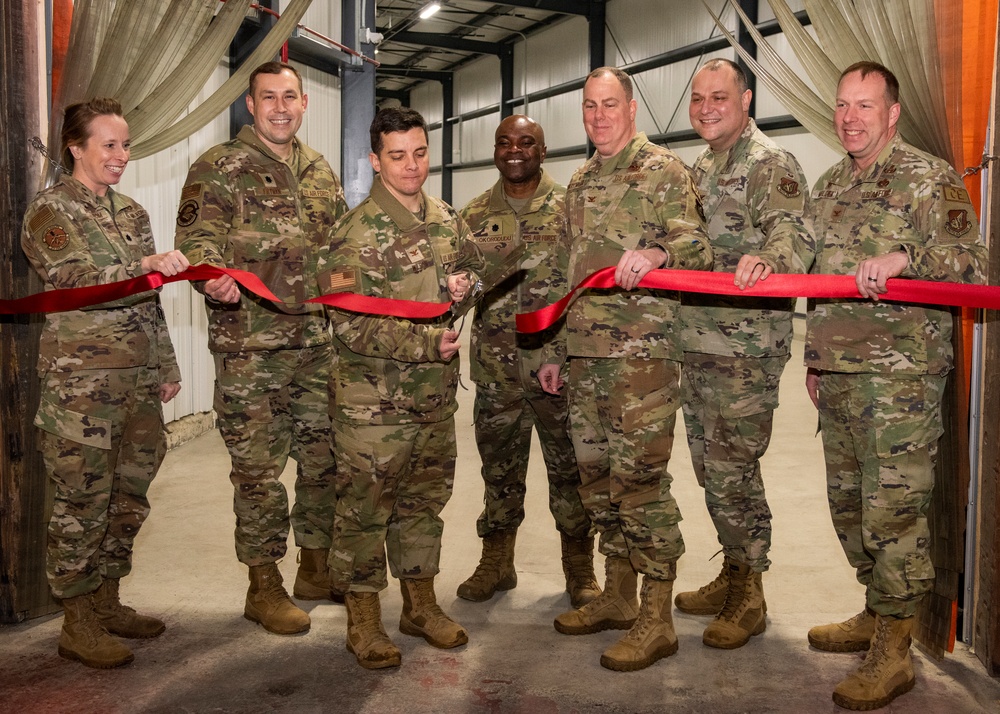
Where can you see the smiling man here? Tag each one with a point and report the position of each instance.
(632, 206)
(736, 348)
(525, 206)
(394, 392)
(878, 370)
(265, 202)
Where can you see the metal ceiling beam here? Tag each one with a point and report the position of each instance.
(429, 74)
(566, 7)
(448, 42)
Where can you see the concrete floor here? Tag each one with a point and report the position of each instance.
(213, 660)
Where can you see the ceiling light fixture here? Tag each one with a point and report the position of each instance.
(429, 9)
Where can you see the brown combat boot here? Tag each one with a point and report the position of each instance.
(120, 619)
(312, 579)
(578, 567)
(708, 599)
(269, 605)
(853, 635)
(495, 570)
(744, 614)
(422, 617)
(83, 639)
(366, 637)
(614, 609)
(652, 637)
(886, 672)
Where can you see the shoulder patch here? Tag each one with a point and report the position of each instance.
(956, 194)
(787, 187)
(187, 214)
(56, 238)
(38, 221)
(192, 190)
(958, 222)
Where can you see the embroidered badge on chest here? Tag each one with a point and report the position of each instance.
(414, 255)
(56, 238)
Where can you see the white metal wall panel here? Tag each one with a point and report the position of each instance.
(478, 85)
(323, 17)
(555, 56)
(321, 124)
(473, 139)
(562, 119)
(471, 183)
(644, 28)
(426, 99)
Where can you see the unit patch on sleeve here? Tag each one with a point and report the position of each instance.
(789, 188)
(958, 222)
(187, 214)
(56, 238)
(956, 194)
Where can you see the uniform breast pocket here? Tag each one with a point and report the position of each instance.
(268, 209)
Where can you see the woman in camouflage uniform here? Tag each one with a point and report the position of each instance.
(104, 371)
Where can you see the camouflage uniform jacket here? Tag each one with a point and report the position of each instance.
(74, 238)
(641, 198)
(242, 207)
(389, 370)
(755, 196)
(907, 200)
(501, 357)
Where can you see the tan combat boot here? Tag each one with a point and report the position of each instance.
(269, 605)
(853, 635)
(886, 672)
(366, 637)
(312, 579)
(422, 617)
(495, 570)
(652, 637)
(744, 614)
(119, 619)
(708, 599)
(83, 639)
(578, 567)
(614, 609)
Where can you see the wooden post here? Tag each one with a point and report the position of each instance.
(986, 636)
(24, 591)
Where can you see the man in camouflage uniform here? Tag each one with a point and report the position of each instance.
(736, 348)
(877, 371)
(265, 202)
(632, 205)
(524, 207)
(104, 372)
(394, 392)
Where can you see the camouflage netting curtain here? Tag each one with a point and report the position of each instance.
(154, 57)
(901, 34)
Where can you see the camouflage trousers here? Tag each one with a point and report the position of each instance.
(622, 414)
(392, 483)
(504, 420)
(729, 405)
(272, 405)
(880, 442)
(102, 442)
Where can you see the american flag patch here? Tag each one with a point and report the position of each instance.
(41, 219)
(190, 191)
(342, 279)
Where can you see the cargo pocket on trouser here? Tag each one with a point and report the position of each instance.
(75, 448)
(894, 520)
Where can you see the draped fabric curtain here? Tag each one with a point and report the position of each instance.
(154, 57)
(943, 53)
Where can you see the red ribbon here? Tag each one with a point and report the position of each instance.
(76, 298)
(694, 281)
(776, 285)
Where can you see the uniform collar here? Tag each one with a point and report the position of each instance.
(622, 160)
(498, 200)
(845, 173)
(309, 156)
(83, 194)
(404, 219)
(724, 158)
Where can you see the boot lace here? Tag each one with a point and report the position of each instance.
(735, 597)
(878, 653)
